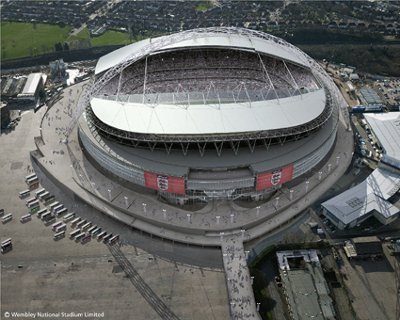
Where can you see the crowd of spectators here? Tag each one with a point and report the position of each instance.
(224, 75)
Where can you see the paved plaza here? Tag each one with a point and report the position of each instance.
(43, 275)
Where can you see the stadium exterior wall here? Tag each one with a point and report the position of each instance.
(136, 175)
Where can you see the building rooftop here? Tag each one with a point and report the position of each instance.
(31, 84)
(365, 239)
(370, 96)
(371, 194)
(367, 245)
(386, 127)
(306, 289)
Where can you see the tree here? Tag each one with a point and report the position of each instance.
(58, 46)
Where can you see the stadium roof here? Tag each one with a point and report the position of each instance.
(371, 194)
(262, 160)
(241, 39)
(386, 127)
(210, 119)
(31, 84)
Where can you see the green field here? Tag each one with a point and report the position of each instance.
(27, 39)
(110, 37)
(20, 39)
(83, 39)
(204, 6)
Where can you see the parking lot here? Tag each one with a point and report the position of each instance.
(44, 275)
(368, 145)
(371, 286)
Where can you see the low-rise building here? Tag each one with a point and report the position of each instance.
(367, 247)
(306, 290)
(32, 87)
(379, 194)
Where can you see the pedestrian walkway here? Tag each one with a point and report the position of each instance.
(238, 280)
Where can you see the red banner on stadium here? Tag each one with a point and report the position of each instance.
(164, 183)
(273, 178)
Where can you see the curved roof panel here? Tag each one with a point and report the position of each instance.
(209, 119)
(239, 39)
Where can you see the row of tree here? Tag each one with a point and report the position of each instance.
(61, 46)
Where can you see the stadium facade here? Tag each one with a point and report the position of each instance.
(209, 113)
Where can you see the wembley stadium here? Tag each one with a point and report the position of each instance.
(209, 113)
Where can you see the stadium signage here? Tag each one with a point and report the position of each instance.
(274, 178)
(164, 183)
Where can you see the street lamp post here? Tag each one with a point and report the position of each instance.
(126, 202)
(109, 194)
(337, 160)
(276, 202)
(232, 217)
(307, 183)
(144, 207)
(291, 194)
(189, 217)
(164, 214)
(329, 168)
(217, 217)
(258, 211)
(319, 176)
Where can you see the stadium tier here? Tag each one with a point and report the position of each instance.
(209, 113)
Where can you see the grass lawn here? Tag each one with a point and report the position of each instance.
(204, 6)
(20, 39)
(110, 37)
(84, 40)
